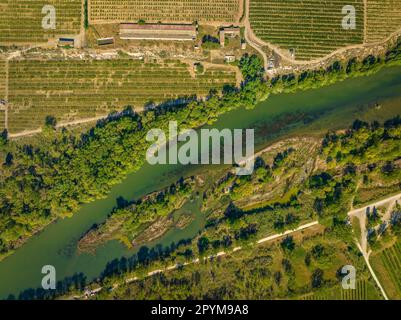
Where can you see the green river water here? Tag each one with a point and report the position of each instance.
(308, 112)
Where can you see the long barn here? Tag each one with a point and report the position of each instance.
(177, 32)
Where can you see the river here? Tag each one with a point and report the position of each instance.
(303, 113)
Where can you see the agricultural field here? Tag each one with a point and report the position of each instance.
(311, 28)
(104, 11)
(21, 20)
(3, 79)
(3, 85)
(387, 265)
(2, 119)
(76, 89)
(383, 18)
(364, 290)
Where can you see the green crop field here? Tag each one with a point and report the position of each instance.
(384, 17)
(387, 264)
(311, 27)
(75, 89)
(167, 10)
(21, 20)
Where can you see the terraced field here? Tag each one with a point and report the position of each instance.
(387, 264)
(21, 20)
(312, 28)
(383, 18)
(166, 10)
(75, 89)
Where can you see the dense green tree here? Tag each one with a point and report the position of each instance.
(288, 244)
(203, 244)
(317, 278)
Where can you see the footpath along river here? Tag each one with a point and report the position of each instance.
(308, 112)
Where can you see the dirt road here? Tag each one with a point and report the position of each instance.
(362, 243)
(250, 37)
(60, 125)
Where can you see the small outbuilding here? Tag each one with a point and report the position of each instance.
(229, 58)
(172, 32)
(232, 32)
(105, 41)
(66, 42)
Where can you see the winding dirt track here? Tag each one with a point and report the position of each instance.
(251, 39)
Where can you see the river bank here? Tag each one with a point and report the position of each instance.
(281, 116)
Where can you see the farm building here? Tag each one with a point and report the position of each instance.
(229, 58)
(177, 32)
(3, 104)
(105, 41)
(231, 32)
(66, 42)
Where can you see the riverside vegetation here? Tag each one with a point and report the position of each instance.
(52, 175)
(298, 181)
